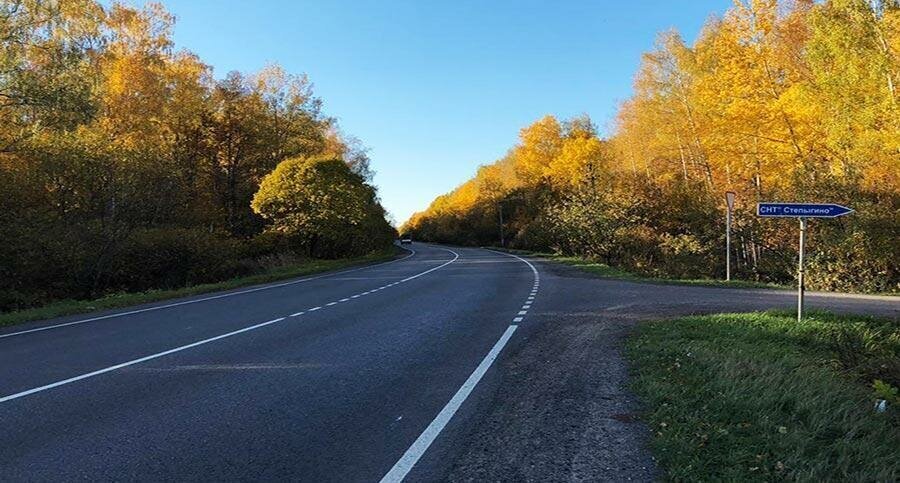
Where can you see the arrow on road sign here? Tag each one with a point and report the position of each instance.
(801, 210)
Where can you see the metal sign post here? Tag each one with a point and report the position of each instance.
(801, 211)
(729, 200)
(801, 283)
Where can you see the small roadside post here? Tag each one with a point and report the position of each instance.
(500, 211)
(803, 211)
(729, 200)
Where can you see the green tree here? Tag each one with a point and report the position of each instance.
(320, 201)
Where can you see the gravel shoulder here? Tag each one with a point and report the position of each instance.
(562, 409)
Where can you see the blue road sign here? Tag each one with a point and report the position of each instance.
(801, 210)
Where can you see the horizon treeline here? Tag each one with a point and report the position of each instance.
(126, 165)
(777, 101)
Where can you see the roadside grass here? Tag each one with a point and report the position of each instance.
(759, 396)
(70, 307)
(606, 271)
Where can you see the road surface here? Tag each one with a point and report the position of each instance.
(448, 364)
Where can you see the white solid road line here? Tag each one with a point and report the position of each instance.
(418, 448)
(204, 299)
(135, 361)
(455, 257)
(409, 459)
(171, 351)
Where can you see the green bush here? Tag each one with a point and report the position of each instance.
(171, 258)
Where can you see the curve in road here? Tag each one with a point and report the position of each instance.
(450, 364)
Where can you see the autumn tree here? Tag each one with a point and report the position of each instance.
(125, 165)
(792, 100)
(317, 200)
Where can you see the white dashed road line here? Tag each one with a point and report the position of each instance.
(412, 455)
(204, 299)
(186, 346)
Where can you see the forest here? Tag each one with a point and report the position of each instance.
(774, 100)
(125, 165)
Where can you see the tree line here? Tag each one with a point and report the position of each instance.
(125, 165)
(775, 100)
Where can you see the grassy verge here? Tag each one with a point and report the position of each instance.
(759, 396)
(603, 270)
(69, 307)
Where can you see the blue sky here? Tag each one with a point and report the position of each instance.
(435, 89)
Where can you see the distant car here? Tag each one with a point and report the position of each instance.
(406, 240)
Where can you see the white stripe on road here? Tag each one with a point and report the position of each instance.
(412, 455)
(169, 351)
(455, 257)
(418, 448)
(204, 299)
(135, 361)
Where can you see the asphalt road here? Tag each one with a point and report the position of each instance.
(449, 364)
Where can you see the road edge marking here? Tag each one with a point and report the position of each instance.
(135, 361)
(537, 276)
(104, 370)
(205, 299)
(412, 455)
(409, 459)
